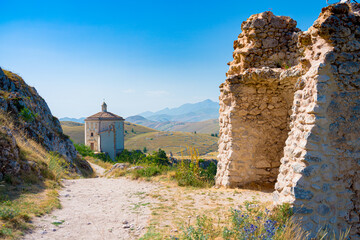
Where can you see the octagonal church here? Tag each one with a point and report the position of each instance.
(104, 132)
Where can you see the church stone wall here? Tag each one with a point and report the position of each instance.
(108, 144)
(92, 127)
(108, 136)
(120, 141)
(311, 130)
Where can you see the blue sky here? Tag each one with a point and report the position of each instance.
(138, 55)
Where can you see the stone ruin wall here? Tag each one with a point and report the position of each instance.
(290, 114)
(255, 101)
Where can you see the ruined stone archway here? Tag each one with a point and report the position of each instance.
(290, 114)
(256, 100)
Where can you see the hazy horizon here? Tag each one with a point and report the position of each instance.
(138, 56)
(139, 113)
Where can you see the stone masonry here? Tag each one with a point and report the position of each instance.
(290, 114)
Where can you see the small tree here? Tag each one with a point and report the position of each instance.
(158, 158)
(145, 150)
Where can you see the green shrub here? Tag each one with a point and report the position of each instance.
(158, 158)
(27, 115)
(86, 151)
(137, 157)
(5, 231)
(282, 213)
(204, 229)
(188, 175)
(148, 171)
(151, 235)
(189, 172)
(209, 173)
(133, 157)
(8, 213)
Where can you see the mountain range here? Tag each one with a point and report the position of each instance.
(201, 117)
(189, 112)
(207, 126)
(78, 120)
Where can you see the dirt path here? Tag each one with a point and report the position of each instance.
(102, 208)
(98, 208)
(99, 170)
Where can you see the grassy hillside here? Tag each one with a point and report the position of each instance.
(76, 130)
(138, 137)
(208, 126)
(132, 130)
(174, 142)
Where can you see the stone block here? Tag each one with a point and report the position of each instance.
(310, 171)
(262, 164)
(301, 193)
(349, 67)
(310, 158)
(323, 210)
(315, 186)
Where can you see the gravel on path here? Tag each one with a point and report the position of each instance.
(98, 208)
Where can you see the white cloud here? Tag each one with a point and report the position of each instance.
(156, 93)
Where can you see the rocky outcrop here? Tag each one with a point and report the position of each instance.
(30, 113)
(290, 112)
(9, 154)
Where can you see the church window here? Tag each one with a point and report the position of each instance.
(92, 134)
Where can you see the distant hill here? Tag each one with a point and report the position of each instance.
(74, 130)
(189, 112)
(208, 126)
(143, 121)
(138, 137)
(67, 119)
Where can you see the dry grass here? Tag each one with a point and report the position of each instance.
(206, 127)
(105, 165)
(179, 206)
(18, 206)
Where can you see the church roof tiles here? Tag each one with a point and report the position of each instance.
(104, 116)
